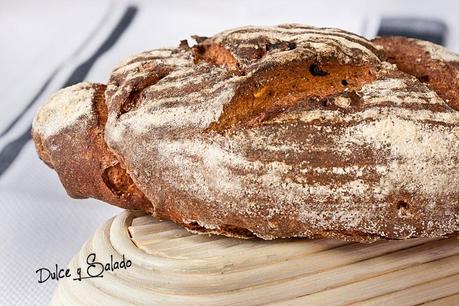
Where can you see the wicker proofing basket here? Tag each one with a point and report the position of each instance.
(173, 267)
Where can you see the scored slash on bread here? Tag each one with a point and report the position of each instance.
(286, 131)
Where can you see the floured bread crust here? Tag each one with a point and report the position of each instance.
(68, 133)
(432, 64)
(287, 131)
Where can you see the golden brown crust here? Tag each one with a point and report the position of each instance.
(287, 131)
(300, 80)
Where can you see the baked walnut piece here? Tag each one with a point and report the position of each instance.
(285, 131)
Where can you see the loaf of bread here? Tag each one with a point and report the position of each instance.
(284, 131)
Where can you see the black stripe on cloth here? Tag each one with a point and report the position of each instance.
(32, 102)
(21, 114)
(13, 148)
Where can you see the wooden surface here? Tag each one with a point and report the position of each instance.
(174, 267)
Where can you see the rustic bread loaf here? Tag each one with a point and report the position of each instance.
(286, 131)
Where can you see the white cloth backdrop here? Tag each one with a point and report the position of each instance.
(42, 45)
